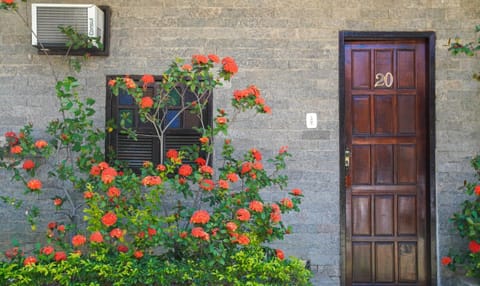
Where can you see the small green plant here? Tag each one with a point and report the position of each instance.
(79, 41)
(469, 49)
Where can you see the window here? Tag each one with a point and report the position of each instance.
(180, 133)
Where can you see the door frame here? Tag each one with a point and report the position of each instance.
(429, 37)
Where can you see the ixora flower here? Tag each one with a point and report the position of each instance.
(231, 226)
(185, 170)
(78, 240)
(60, 256)
(31, 260)
(256, 206)
(296, 192)
(446, 260)
(199, 59)
(243, 239)
(172, 154)
(149, 181)
(34, 185)
(214, 58)
(229, 65)
(280, 254)
(17, 149)
(116, 233)
(286, 202)
(96, 237)
(223, 184)
(187, 67)
(198, 232)
(108, 175)
(474, 246)
(243, 215)
(109, 219)
(207, 185)
(147, 79)
(221, 120)
(28, 165)
(146, 102)
(200, 217)
(232, 177)
(477, 190)
(113, 192)
(138, 254)
(47, 250)
(40, 144)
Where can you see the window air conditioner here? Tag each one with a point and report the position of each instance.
(47, 18)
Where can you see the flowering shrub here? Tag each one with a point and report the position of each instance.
(467, 224)
(218, 234)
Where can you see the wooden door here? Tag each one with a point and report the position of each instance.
(386, 129)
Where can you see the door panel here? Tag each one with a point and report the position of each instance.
(385, 132)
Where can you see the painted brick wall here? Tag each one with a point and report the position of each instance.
(289, 48)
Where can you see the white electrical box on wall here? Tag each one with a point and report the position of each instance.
(311, 119)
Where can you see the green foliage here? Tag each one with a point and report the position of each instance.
(181, 222)
(469, 49)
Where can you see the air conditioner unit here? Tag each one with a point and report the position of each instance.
(47, 18)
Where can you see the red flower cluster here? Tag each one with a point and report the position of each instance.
(96, 237)
(147, 79)
(296, 192)
(113, 192)
(229, 65)
(31, 260)
(199, 59)
(275, 214)
(185, 170)
(28, 165)
(256, 206)
(149, 181)
(78, 240)
(286, 202)
(198, 232)
(446, 260)
(146, 102)
(280, 254)
(200, 217)
(40, 144)
(474, 246)
(34, 185)
(109, 219)
(477, 190)
(207, 185)
(243, 214)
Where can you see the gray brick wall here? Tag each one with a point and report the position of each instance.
(289, 48)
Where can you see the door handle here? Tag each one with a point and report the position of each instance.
(348, 154)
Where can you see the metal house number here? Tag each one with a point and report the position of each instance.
(384, 79)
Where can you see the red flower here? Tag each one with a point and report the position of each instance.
(78, 240)
(206, 170)
(183, 234)
(57, 202)
(207, 185)
(61, 228)
(149, 181)
(229, 65)
(28, 165)
(151, 231)
(477, 190)
(243, 215)
(256, 206)
(108, 175)
(446, 260)
(12, 253)
(283, 149)
(204, 140)
(87, 195)
(172, 154)
(146, 102)
(223, 184)
(95, 170)
(199, 59)
(122, 248)
(474, 246)
(109, 219)
(185, 170)
(287, 203)
(275, 216)
(116, 233)
(214, 58)
(103, 165)
(29, 261)
(161, 167)
(296, 192)
(17, 149)
(59, 256)
(198, 232)
(113, 192)
(112, 82)
(200, 161)
(256, 154)
(34, 185)
(200, 217)
(267, 109)
(221, 120)
(41, 144)
(138, 254)
(246, 167)
(232, 177)
(52, 225)
(187, 67)
(243, 239)
(96, 237)
(129, 82)
(257, 165)
(280, 254)
(231, 226)
(147, 79)
(47, 250)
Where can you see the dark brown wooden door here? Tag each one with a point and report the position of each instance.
(386, 182)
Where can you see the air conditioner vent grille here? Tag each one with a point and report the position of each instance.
(50, 19)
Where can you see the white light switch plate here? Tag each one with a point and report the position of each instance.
(311, 120)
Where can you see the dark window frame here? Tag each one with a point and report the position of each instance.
(174, 137)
